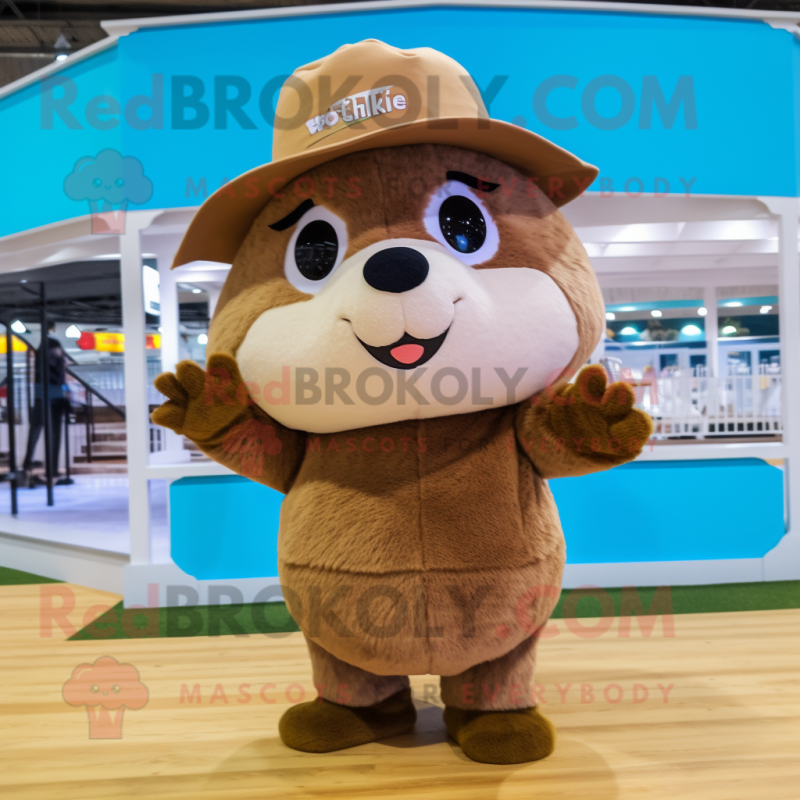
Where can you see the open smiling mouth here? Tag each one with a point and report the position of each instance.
(407, 352)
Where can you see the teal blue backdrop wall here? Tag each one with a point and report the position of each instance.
(664, 104)
(658, 102)
(227, 527)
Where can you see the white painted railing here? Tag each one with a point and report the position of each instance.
(687, 404)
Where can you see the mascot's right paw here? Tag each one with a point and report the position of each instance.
(203, 405)
(320, 726)
(501, 737)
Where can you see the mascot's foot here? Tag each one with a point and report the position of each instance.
(321, 726)
(501, 737)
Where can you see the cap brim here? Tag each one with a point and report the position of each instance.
(222, 222)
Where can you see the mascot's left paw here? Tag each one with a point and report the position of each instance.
(501, 737)
(600, 421)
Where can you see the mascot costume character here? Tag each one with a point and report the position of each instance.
(396, 349)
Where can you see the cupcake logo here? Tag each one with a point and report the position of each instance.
(106, 688)
(109, 182)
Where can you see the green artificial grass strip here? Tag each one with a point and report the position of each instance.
(760, 596)
(16, 577)
(243, 619)
(763, 596)
(274, 618)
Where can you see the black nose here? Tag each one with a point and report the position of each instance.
(396, 269)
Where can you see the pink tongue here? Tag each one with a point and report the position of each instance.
(408, 353)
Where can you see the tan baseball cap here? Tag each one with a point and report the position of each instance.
(361, 97)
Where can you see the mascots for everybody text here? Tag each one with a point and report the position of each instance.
(397, 349)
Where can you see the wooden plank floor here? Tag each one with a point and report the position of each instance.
(728, 730)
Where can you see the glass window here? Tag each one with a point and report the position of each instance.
(739, 362)
(668, 361)
(770, 357)
(697, 361)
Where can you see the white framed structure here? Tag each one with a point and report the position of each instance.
(713, 258)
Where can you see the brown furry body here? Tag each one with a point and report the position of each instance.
(420, 546)
(453, 517)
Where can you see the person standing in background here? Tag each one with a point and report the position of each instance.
(57, 395)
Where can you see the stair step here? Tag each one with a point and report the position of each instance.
(99, 468)
(105, 447)
(109, 436)
(104, 457)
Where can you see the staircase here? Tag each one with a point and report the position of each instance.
(108, 451)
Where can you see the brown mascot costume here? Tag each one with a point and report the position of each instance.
(396, 349)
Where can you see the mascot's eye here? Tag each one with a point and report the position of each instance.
(315, 249)
(457, 218)
(462, 224)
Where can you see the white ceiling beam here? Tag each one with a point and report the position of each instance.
(673, 264)
(79, 249)
(591, 209)
(206, 276)
(679, 249)
(711, 230)
(740, 276)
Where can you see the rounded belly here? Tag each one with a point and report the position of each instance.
(419, 622)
